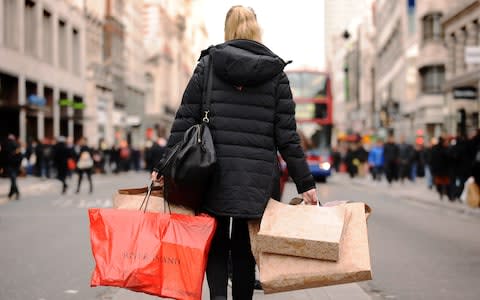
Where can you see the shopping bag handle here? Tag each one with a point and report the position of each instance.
(298, 200)
(146, 199)
(147, 196)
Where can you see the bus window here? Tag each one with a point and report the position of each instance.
(308, 84)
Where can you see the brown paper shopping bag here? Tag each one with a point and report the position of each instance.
(280, 273)
(301, 230)
(133, 198)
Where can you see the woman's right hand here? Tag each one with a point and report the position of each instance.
(310, 197)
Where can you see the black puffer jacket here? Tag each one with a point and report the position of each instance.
(252, 115)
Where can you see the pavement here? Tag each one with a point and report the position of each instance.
(338, 292)
(411, 191)
(28, 186)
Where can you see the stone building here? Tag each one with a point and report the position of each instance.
(42, 83)
(174, 35)
(395, 70)
(99, 87)
(340, 17)
(461, 26)
(432, 57)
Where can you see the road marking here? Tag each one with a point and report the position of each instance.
(82, 204)
(108, 203)
(71, 292)
(67, 202)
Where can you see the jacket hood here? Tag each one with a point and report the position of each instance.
(244, 62)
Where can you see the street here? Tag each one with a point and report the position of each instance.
(418, 250)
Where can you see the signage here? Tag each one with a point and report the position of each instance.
(465, 93)
(78, 105)
(472, 55)
(36, 100)
(65, 102)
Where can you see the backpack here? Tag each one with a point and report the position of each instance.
(85, 161)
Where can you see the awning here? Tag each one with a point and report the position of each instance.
(36, 100)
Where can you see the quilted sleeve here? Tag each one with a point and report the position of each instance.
(287, 139)
(188, 114)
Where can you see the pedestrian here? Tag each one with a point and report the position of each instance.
(440, 164)
(461, 165)
(47, 156)
(124, 156)
(252, 115)
(390, 155)
(376, 160)
(13, 160)
(418, 162)
(85, 164)
(428, 162)
(61, 154)
(405, 157)
(157, 150)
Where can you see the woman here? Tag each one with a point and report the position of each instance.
(13, 163)
(440, 167)
(85, 164)
(251, 117)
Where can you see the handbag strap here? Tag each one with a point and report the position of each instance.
(208, 93)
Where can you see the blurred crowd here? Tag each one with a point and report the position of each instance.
(62, 157)
(447, 163)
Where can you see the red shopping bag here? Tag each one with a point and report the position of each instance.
(155, 253)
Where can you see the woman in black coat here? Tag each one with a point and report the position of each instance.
(252, 116)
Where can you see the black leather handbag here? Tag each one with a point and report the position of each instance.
(188, 166)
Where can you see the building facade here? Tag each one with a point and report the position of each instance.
(432, 58)
(341, 48)
(42, 82)
(461, 28)
(354, 82)
(174, 35)
(395, 70)
(99, 87)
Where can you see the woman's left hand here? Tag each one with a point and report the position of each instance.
(155, 178)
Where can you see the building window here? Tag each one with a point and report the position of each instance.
(62, 44)
(10, 23)
(76, 51)
(433, 78)
(47, 41)
(432, 27)
(30, 35)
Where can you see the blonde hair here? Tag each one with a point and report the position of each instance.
(241, 23)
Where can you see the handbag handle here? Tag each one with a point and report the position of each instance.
(208, 93)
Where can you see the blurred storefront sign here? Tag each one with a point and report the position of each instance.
(133, 121)
(36, 100)
(472, 55)
(465, 93)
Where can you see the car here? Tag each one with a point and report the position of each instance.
(320, 164)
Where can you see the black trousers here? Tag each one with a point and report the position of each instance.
(80, 177)
(243, 262)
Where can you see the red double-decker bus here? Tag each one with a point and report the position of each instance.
(314, 114)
